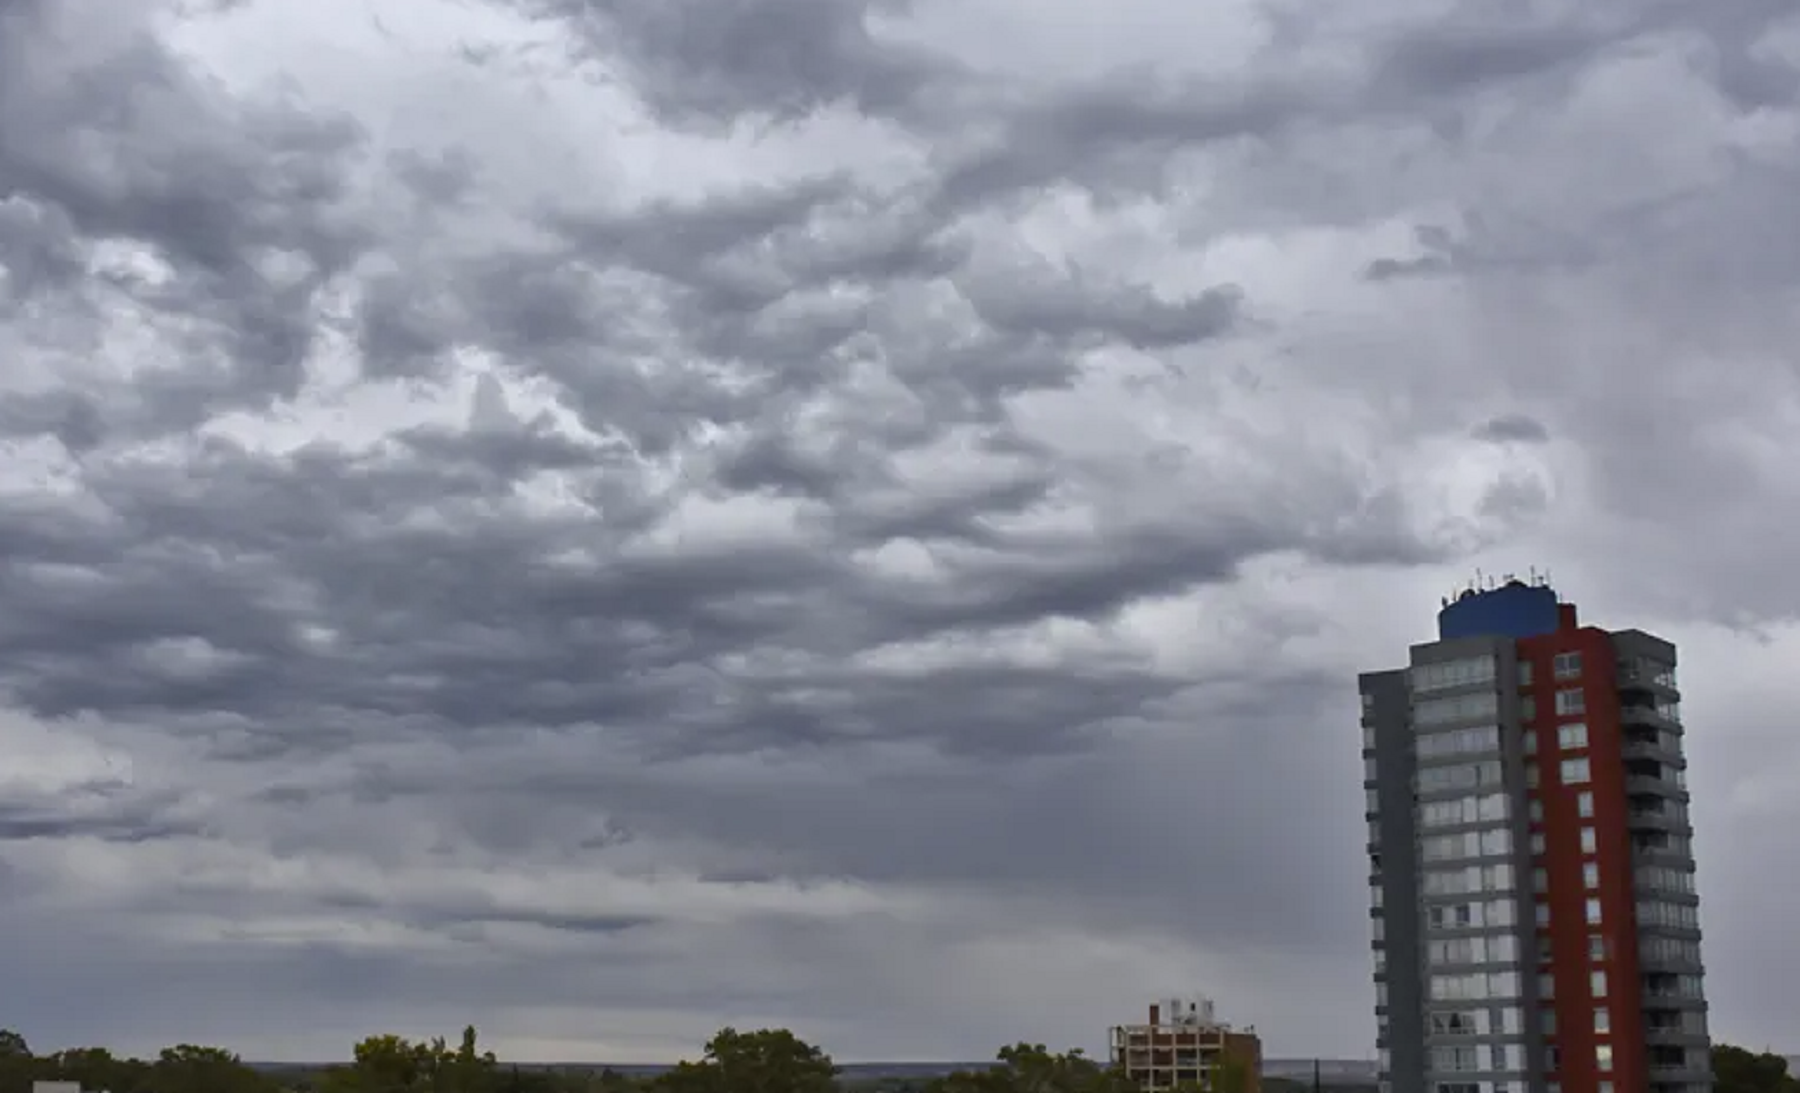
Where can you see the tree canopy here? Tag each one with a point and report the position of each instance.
(1736, 1070)
(760, 1061)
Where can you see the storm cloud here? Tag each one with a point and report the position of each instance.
(606, 519)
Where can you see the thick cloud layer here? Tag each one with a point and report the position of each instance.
(606, 518)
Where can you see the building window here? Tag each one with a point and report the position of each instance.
(1452, 673)
(1527, 709)
(1588, 842)
(1596, 947)
(1547, 988)
(1546, 1017)
(1480, 706)
(1540, 880)
(1575, 771)
(1536, 810)
(1593, 912)
(1590, 875)
(1531, 775)
(1584, 804)
(1603, 1058)
(1607, 1087)
(1543, 914)
(1572, 737)
(1524, 673)
(1566, 665)
(1530, 741)
(1597, 984)
(1537, 842)
(1571, 701)
(1368, 738)
(1602, 1019)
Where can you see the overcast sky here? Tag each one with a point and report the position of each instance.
(608, 518)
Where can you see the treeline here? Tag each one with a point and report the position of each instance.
(764, 1061)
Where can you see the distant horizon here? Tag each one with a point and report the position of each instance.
(1283, 1063)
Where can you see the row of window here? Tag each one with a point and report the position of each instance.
(1584, 808)
(1487, 1021)
(1656, 912)
(1596, 985)
(1478, 706)
(1474, 986)
(1670, 880)
(1644, 669)
(1474, 741)
(1673, 986)
(1462, 1058)
(1655, 947)
(1598, 948)
(1663, 842)
(1486, 914)
(1478, 949)
(1671, 811)
(1494, 842)
(1573, 772)
(1570, 737)
(1452, 673)
(1590, 872)
(1459, 776)
(1689, 1021)
(1591, 912)
(1487, 808)
(1468, 880)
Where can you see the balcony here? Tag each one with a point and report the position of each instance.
(1665, 882)
(1669, 963)
(1657, 812)
(1643, 674)
(1673, 1036)
(1646, 742)
(1666, 991)
(1662, 848)
(1650, 715)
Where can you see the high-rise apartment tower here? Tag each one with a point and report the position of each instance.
(1531, 882)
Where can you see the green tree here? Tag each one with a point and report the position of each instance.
(1031, 1068)
(763, 1061)
(94, 1068)
(395, 1064)
(1230, 1074)
(1736, 1070)
(190, 1068)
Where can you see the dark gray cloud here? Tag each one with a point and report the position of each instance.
(759, 507)
(694, 61)
(1513, 428)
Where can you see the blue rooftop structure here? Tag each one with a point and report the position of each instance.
(1514, 610)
